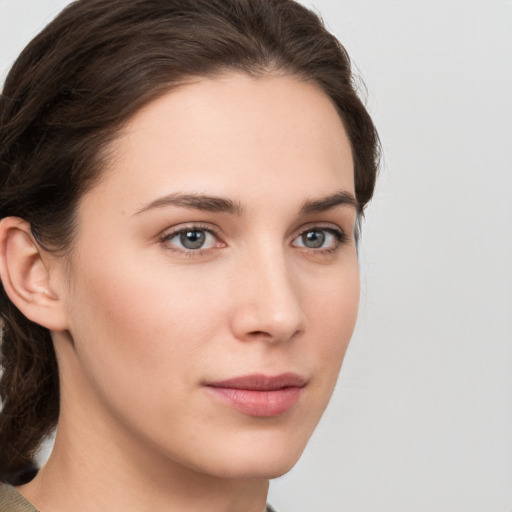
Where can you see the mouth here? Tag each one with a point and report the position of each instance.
(260, 395)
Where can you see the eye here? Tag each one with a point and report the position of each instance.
(191, 239)
(319, 239)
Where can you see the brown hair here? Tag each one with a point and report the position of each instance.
(65, 99)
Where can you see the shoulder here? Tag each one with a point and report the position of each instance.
(12, 501)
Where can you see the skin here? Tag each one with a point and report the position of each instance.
(143, 322)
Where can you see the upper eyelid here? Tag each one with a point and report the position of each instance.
(327, 226)
(174, 230)
(338, 233)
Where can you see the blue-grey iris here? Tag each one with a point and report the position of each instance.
(193, 239)
(313, 239)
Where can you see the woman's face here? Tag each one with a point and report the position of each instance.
(214, 280)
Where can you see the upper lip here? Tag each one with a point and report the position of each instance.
(260, 382)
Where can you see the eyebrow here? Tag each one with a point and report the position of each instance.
(223, 205)
(197, 202)
(326, 203)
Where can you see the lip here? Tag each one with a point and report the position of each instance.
(260, 395)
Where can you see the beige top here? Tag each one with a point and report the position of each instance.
(12, 501)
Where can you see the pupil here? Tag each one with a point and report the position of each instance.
(192, 239)
(313, 239)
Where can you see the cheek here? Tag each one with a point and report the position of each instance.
(143, 324)
(332, 317)
(334, 301)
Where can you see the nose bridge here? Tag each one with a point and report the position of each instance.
(268, 302)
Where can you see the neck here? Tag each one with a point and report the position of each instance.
(77, 478)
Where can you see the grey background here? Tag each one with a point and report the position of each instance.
(422, 416)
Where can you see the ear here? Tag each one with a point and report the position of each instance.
(26, 273)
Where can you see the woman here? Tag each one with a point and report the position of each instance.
(181, 188)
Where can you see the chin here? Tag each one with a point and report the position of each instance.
(257, 469)
(273, 467)
(259, 460)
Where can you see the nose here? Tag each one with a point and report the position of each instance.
(267, 303)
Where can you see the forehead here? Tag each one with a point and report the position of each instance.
(234, 136)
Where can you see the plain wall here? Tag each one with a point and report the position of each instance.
(421, 420)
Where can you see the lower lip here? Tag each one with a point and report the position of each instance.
(263, 404)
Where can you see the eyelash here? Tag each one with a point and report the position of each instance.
(339, 235)
(191, 253)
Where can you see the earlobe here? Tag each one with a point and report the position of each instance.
(26, 275)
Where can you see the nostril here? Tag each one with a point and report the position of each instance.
(259, 333)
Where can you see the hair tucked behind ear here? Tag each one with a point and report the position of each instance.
(29, 389)
(65, 100)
